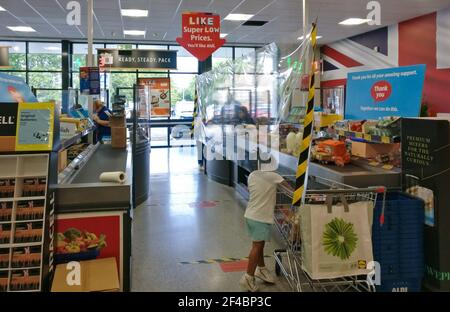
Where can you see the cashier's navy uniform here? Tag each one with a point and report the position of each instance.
(102, 120)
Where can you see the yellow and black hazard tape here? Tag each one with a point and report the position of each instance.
(307, 133)
(219, 260)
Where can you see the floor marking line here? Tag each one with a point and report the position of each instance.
(219, 260)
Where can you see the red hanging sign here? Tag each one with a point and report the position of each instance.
(201, 34)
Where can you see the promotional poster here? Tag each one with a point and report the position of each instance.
(14, 90)
(159, 95)
(385, 93)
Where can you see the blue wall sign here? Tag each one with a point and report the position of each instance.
(384, 93)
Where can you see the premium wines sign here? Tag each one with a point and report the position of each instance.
(201, 34)
(137, 59)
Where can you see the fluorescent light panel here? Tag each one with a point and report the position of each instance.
(223, 35)
(21, 28)
(238, 17)
(134, 32)
(134, 13)
(2, 9)
(354, 21)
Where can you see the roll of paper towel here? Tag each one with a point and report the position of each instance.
(114, 177)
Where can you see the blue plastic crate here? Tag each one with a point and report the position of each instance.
(400, 285)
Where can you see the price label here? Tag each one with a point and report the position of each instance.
(385, 140)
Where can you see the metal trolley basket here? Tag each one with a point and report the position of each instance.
(289, 261)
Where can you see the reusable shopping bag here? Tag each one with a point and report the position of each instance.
(336, 239)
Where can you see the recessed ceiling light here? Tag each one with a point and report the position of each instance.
(223, 35)
(134, 32)
(21, 28)
(238, 17)
(301, 37)
(2, 9)
(134, 13)
(354, 21)
(52, 49)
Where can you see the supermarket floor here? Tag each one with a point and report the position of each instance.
(189, 218)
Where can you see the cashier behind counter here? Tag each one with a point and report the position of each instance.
(101, 118)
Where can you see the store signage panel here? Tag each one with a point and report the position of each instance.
(13, 89)
(90, 80)
(8, 126)
(159, 95)
(384, 93)
(35, 127)
(137, 59)
(201, 34)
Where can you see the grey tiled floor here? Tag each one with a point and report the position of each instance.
(168, 229)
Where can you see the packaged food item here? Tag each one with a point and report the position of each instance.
(5, 211)
(28, 232)
(4, 258)
(3, 281)
(30, 210)
(7, 188)
(25, 280)
(5, 233)
(356, 126)
(26, 257)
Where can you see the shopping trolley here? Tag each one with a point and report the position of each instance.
(288, 261)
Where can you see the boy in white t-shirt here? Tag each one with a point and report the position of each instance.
(259, 218)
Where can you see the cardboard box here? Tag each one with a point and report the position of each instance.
(118, 137)
(98, 275)
(62, 160)
(117, 122)
(371, 150)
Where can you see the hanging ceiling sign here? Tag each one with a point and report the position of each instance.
(201, 34)
(137, 59)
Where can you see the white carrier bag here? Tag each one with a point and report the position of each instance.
(336, 239)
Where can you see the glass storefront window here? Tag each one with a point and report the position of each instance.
(49, 95)
(122, 46)
(80, 51)
(221, 56)
(44, 80)
(185, 61)
(44, 56)
(152, 47)
(240, 52)
(17, 74)
(182, 95)
(17, 54)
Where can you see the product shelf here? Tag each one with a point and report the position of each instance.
(27, 221)
(18, 245)
(7, 200)
(369, 138)
(29, 198)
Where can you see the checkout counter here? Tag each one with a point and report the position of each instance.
(104, 209)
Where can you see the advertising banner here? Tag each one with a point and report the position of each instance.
(89, 236)
(90, 80)
(384, 93)
(14, 90)
(201, 34)
(137, 59)
(159, 95)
